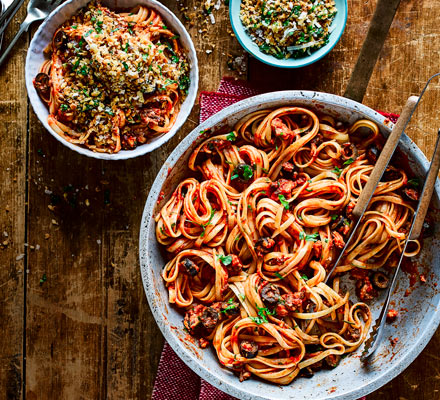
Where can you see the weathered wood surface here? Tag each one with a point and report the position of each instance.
(79, 316)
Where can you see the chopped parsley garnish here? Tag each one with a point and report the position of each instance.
(414, 182)
(244, 170)
(313, 237)
(258, 320)
(184, 83)
(64, 107)
(304, 277)
(263, 313)
(334, 217)
(229, 308)
(349, 161)
(231, 137)
(207, 223)
(225, 260)
(98, 26)
(337, 171)
(302, 235)
(278, 275)
(84, 70)
(283, 201)
(125, 65)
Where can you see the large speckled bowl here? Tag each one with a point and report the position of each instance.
(350, 380)
(35, 57)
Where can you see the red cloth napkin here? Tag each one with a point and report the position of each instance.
(174, 379)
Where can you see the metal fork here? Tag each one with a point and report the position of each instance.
(373, 341)
(37, 10)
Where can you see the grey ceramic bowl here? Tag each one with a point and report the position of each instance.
(35, 57)
(350, 380)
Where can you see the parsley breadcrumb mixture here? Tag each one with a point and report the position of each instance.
(113, 66)
(288, 29)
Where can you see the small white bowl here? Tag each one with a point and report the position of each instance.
(35, 57)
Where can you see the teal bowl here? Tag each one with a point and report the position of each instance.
(245, 40)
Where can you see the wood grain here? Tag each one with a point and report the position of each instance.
(88, 329)
(90, 333)
(13, 142)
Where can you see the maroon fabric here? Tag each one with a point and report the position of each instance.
(174, 379)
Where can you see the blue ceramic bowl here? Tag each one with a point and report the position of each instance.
(245, 40)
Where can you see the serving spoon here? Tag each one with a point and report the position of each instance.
(37, 10)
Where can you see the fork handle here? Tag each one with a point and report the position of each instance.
(23, 28)
(385, 157)
(428, 189)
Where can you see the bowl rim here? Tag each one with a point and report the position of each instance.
(148, 271)
(272, 61)
(140, 150)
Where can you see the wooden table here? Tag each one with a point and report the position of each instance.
(74, 320)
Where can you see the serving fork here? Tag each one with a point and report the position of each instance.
(37, 10)
(418, 218)
(373, 341)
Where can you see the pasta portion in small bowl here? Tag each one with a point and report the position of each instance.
(116, 81)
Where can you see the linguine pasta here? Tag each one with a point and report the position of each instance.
(252, 234)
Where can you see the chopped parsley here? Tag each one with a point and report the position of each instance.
(229, 308)
(278, 275)
(263, 313)
(258, 320)
(283, 201)
(304, 277)
(98, 26)
(184, 83)
(349, 161)
(333, 217)
(231, 137)
(207, 223)
(225, 260)
(414, 182)
(245, 171)
(313, 237)
(125, 65)
(337, 171)
(64, 107)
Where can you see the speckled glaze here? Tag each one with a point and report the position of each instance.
(35, 57)
(350, 380)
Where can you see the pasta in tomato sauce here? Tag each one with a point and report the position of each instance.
(252, 234)
(113, 80)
